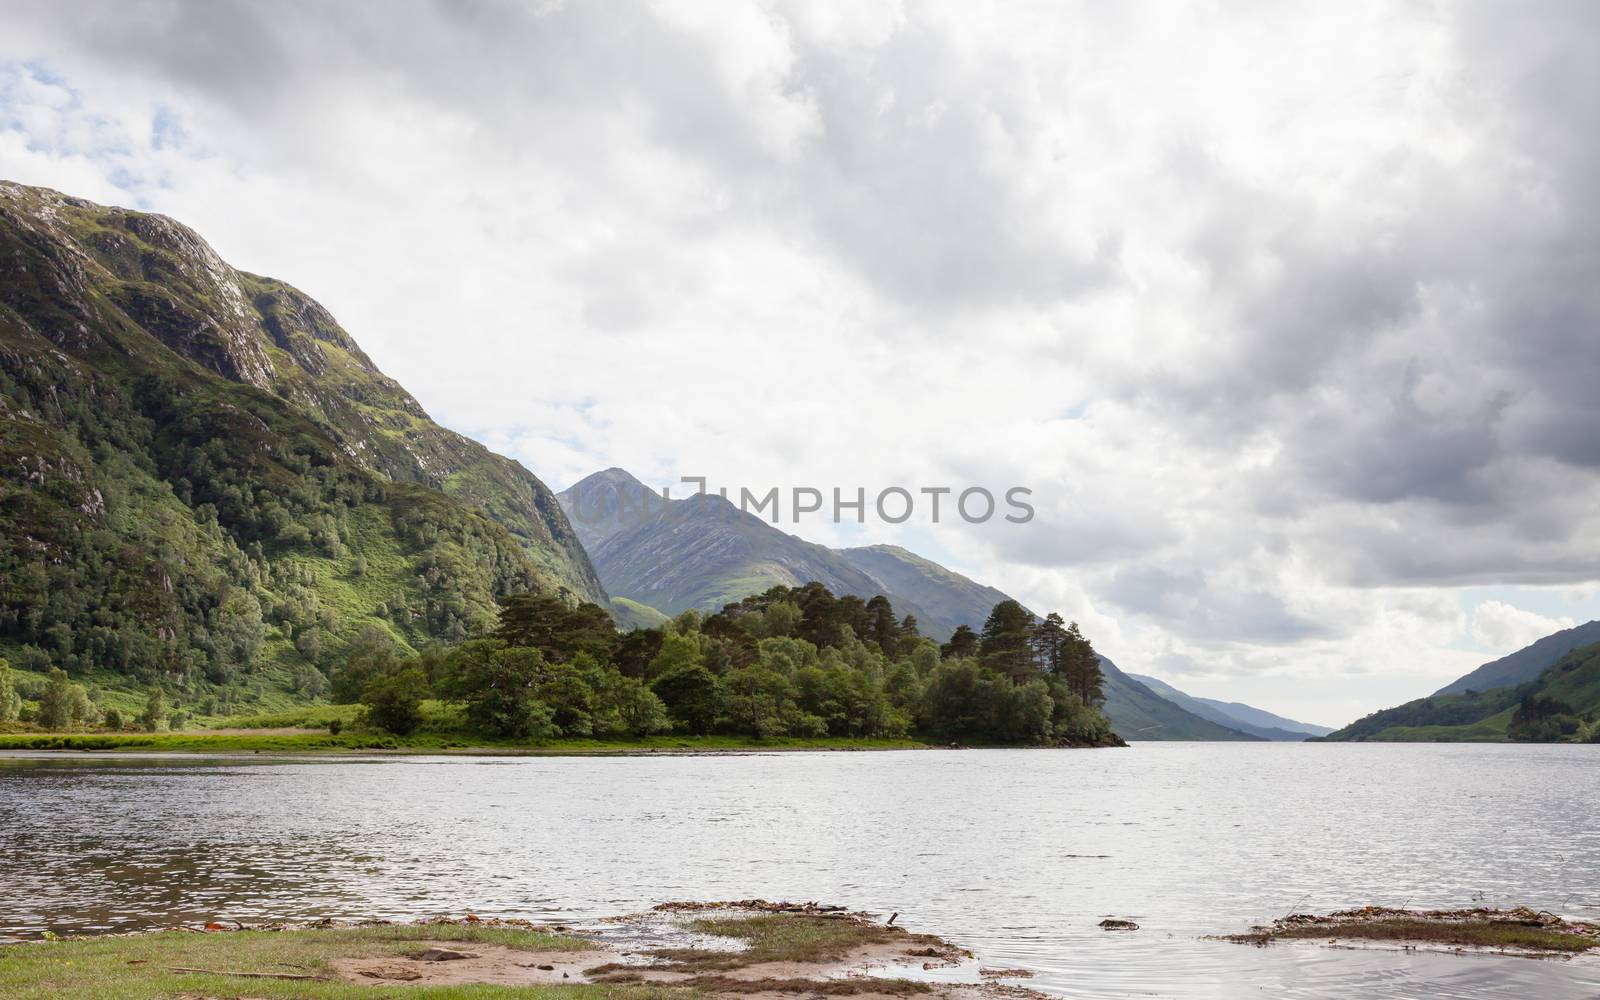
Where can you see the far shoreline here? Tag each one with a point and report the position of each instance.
(321, 743)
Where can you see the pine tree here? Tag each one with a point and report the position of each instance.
(1005, 645)
(1082, 667)
(883, 629)
(963, 643)
(1049, 643)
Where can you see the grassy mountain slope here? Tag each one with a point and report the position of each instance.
(1525, 664)
(1573, 681)
(202, 476)
(1236, 715)
(1139, 713)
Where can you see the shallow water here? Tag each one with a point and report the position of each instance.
(1015, 853)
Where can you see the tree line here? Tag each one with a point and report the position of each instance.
(797, 662)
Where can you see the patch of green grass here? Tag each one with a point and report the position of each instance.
(138, 967)
(784, 937)
(422, 742)
(299, 717)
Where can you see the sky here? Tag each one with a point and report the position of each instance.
(1285, 314)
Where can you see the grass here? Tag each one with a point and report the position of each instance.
(137, 967)
(778, 937)
(792, 939)
(1519, 931)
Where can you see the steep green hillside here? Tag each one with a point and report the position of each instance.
(202, 476)
(1562, 703)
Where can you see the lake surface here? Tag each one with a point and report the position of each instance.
(1015, 853)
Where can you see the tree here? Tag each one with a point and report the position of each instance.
(1081, 667)
(963, 643)
(56, 702)
(371, 654)
(693, 697)
(639, 710)
(393, 698)
(113, 720)
(635, 650)
(882, 628)
(498, 684)
(678, 652)
(10, 701)
(1006, 643)
(1049, 643)
(571, 701)
(557, 631)
(756, 701)
(155, 710)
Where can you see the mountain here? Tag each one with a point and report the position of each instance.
(200, 469)
(1139, 713)
(1561, 703)
(1236, 715)
(1525, 664)
(945, 597)
(1479, 705)
(703, 552)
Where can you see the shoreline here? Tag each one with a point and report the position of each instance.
(747, 948)
(320, 742)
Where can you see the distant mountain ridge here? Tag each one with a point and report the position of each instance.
(704, 552)
(1140, 713)
(1237, 715)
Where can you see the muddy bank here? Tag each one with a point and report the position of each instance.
(1520, 931)
(745, 948)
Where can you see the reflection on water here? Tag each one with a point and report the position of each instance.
(1017, 853)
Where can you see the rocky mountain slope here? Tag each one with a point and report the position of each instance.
(704, 552)
(200, 468)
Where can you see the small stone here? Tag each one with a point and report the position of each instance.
(444, 955)
(1118, 924)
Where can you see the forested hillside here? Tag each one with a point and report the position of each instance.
(204, 481)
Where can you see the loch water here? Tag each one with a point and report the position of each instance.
(1017, 854)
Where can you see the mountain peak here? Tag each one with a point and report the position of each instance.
(612, 478)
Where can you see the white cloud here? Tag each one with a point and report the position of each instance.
(1283, 313)
(1503, 628)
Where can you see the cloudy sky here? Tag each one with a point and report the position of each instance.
(1285, 313)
